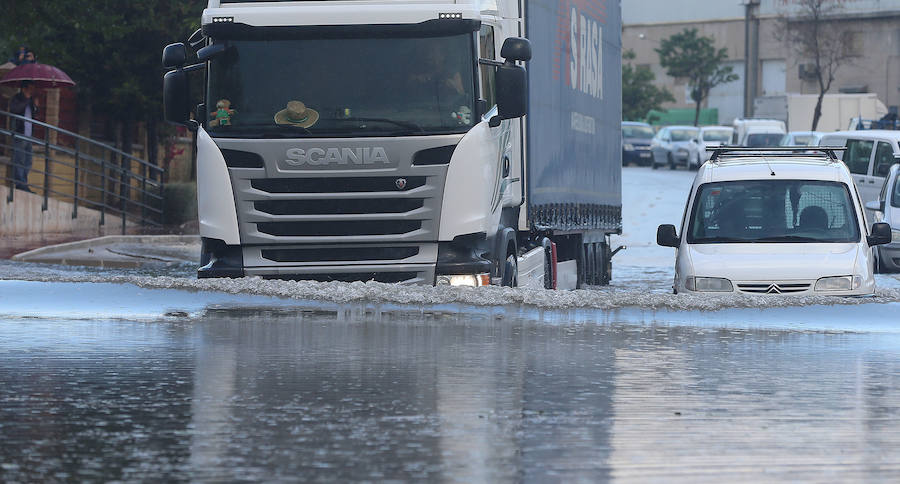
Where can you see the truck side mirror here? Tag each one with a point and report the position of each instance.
(512, 91)
(211, 51)
(176, 97)
(516, 49)
(881, 234)
(665, 236)
(174, 56)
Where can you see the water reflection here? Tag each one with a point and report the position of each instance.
(280, 394)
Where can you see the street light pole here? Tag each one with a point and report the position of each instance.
(751, 55)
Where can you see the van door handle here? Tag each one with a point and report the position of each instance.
(872, 182)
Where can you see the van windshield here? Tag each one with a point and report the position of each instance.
(757, 140)
(765, 211)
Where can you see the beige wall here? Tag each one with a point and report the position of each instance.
(24, 216)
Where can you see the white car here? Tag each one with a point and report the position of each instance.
(674, 146)
(774, 223)
(887, 209)
(710, 136)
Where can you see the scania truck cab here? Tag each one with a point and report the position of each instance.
(387, 140)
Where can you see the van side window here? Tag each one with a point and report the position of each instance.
(486, 50)
(884, 158)
(857, 155)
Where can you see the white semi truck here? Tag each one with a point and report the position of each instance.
(388, 140)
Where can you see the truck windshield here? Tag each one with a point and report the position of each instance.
(790, 211)
(338, 87)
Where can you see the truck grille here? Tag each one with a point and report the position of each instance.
(339, 229)
(335, 185)
(774, 287)
(341, 221)
(347, 254)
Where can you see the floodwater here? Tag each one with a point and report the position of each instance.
(152, 375)
(209, 386)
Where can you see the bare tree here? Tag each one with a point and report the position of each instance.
(814, 31)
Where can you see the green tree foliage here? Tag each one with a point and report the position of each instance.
(695, 58)
(111, 49)
(639, 94)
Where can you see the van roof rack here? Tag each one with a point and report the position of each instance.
(777, 151)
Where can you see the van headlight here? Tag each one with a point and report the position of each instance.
(708, 284)
(628, 147)
(838, 283)
(895, 236)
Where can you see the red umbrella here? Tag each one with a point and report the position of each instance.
(42, 75)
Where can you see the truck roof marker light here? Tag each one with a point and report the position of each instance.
(220, 20)
(457, 15)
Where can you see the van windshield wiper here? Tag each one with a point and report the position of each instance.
(716, 240)
(788, 238)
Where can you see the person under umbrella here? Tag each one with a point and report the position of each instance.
(26, 105)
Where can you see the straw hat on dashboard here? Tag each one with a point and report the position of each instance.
(297, 114)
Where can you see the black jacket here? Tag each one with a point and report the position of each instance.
(17, 106)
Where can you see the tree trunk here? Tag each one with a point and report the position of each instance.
(697, 115)
(817, 113)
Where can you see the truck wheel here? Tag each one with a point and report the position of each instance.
(510, 272)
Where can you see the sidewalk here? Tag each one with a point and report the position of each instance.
(121, 251)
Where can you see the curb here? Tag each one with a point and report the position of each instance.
(108, 240)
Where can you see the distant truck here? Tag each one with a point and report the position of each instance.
(796, 110)
(386, 140)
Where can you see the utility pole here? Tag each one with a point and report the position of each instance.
(751, 54)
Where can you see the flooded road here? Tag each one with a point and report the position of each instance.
(216, 387)
(152, 375)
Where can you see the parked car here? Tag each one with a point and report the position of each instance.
(801, 138)
(636, 139)
(869, 156)
(757, 133)
(710, 136)
(887, 210)
(675, 146)
(762, 224)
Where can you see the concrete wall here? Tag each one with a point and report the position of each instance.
(24, 216)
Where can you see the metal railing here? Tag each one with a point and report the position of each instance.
(85, 172)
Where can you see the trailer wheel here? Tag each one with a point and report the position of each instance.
(510, 272)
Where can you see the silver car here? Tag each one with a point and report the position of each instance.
(675, 146)
(887, 209)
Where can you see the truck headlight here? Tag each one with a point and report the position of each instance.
(471, 280)
(895, 236)
(708, 284)
(628, 147)
(837, 283)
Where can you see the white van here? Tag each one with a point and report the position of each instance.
(757, 132)
(774, 223)
(869, 156)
